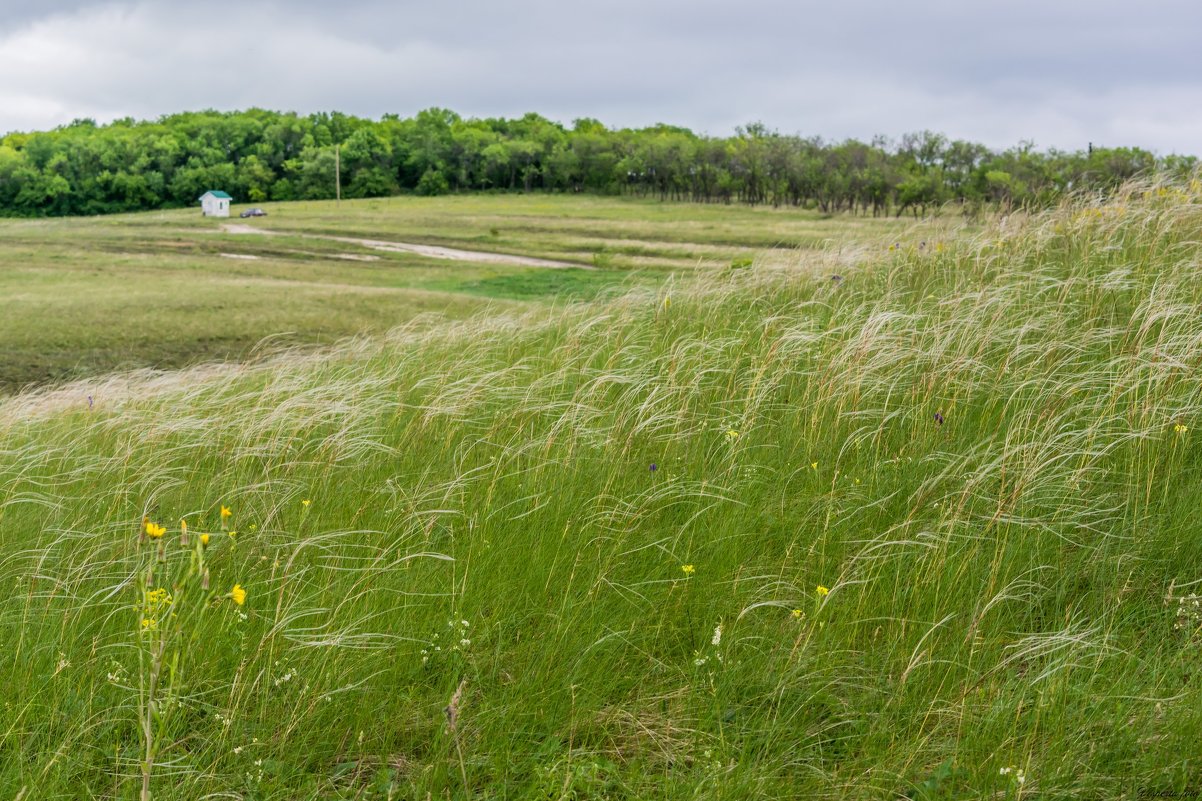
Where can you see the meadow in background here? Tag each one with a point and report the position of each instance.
(89, 296)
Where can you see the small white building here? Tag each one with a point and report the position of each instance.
(215, 203)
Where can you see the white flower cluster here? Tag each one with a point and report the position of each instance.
(117, 673)
(285, 677)
(1189, 613)
(456, 632)
(1017, 774)
(700, 660)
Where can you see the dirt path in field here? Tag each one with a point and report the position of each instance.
(432, 251)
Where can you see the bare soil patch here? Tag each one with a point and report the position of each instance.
(431, 251)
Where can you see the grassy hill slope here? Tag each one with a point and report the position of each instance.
(927, 531)
(87, 296)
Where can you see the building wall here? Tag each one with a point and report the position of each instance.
(213, 207)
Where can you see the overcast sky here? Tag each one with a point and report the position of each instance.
(1060, 73)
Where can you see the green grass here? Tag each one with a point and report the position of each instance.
(1009, 588)
(88, 296)
(532, 284)
(631, 232)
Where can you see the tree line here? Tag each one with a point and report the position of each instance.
(259, 155)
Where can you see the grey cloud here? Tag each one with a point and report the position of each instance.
(1060, 73)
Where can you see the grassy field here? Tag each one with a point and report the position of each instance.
(624, 233)
(89, 296)
(924, 532)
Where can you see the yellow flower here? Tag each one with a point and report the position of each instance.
(814, 465)
(796, 613)
(1180, 429)
(238, 594)
(731, 434)
(204, 539)
(305, 503)
(233, 534)
(183, 526)
(149, 624)
(823, 591)
(688, 570)
(155, 531)
(225, 512)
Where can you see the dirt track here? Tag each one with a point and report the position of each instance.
(431, 251)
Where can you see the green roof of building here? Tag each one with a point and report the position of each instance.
(217, 194)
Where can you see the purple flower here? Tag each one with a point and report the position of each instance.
(654, 467)
(938, 419)
(89, 401)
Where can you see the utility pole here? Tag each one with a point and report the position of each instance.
(338, 174)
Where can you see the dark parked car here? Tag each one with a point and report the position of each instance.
(253, 213)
